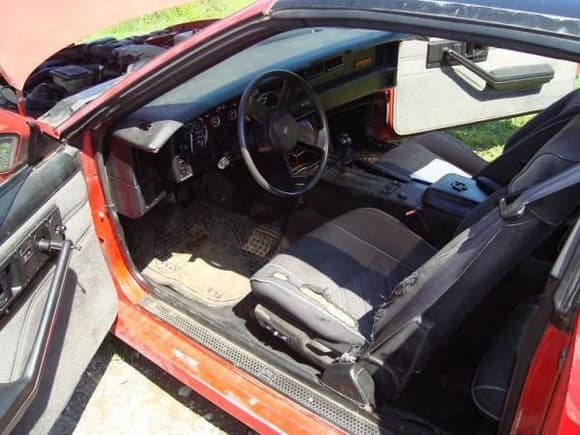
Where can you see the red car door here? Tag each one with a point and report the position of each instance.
(57, 299)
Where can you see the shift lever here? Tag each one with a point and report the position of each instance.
(343, 144)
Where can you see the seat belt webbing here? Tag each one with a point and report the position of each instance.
(515, 209)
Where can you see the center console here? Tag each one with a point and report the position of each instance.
(454, 195)
(432, 210)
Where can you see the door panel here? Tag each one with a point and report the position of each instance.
(87, 306)
(431, 96)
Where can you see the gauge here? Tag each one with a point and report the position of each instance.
(197, 136)
(215, 120)
(268, 99)
(232, 114)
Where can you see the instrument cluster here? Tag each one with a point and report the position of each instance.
(218, 127)
(202, 131)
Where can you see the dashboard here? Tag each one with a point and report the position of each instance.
(193, 126)
(341, 65)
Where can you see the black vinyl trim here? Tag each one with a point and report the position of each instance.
(508, 78)
(24, 194)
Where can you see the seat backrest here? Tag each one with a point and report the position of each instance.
(438, 296)
(526, 141)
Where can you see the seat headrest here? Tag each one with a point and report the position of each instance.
(565, 107)
(557, 155)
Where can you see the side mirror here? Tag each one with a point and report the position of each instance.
(9, 144)
(14, 143)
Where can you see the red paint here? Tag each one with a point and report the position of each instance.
(564, 414)
(247, 399)
(391, 111)
(551, 396)
(382, 129)
(34, 31)
(540, 383)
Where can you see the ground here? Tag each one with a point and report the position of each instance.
(123, 392)
(119, 382)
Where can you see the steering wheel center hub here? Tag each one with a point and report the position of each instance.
(282, 132)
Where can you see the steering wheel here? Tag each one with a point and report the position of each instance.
(279, 129)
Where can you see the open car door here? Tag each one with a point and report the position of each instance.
(443, 84)
(57, 298)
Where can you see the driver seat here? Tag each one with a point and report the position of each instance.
(369, 301)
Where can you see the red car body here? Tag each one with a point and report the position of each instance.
(550, 402)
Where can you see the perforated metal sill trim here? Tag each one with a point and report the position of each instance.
(276, 379)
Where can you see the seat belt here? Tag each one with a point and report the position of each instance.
(532, 194)
(516, 208)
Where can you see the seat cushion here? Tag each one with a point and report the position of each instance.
(333, 280)
(433, 155)
(494, 374)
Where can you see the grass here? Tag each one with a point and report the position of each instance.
(486, 139)
(197, 10)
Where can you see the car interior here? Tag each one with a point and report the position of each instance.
(265, 199)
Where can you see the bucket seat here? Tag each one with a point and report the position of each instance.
(369, 300)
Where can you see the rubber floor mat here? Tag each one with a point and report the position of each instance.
(205, 252)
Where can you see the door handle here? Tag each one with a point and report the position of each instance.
(509, 78)
(16, 396)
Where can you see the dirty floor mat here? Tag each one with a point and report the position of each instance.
(208, 253)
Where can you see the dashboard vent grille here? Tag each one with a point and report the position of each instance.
(333, 63)
(314, 71)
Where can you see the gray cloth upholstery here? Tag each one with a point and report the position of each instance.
(365, 279)
(421, 150)
(334, 279)
(461, 274)
(495, 371)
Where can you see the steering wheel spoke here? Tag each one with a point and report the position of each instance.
(286, 95)
(309, 136)
(258, 111)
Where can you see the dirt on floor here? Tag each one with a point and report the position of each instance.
(122, 392)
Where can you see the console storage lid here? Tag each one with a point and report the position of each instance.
(454, 195)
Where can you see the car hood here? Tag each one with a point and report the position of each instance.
(33, 30)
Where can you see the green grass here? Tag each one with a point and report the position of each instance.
(197, 10)
(486, 139)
